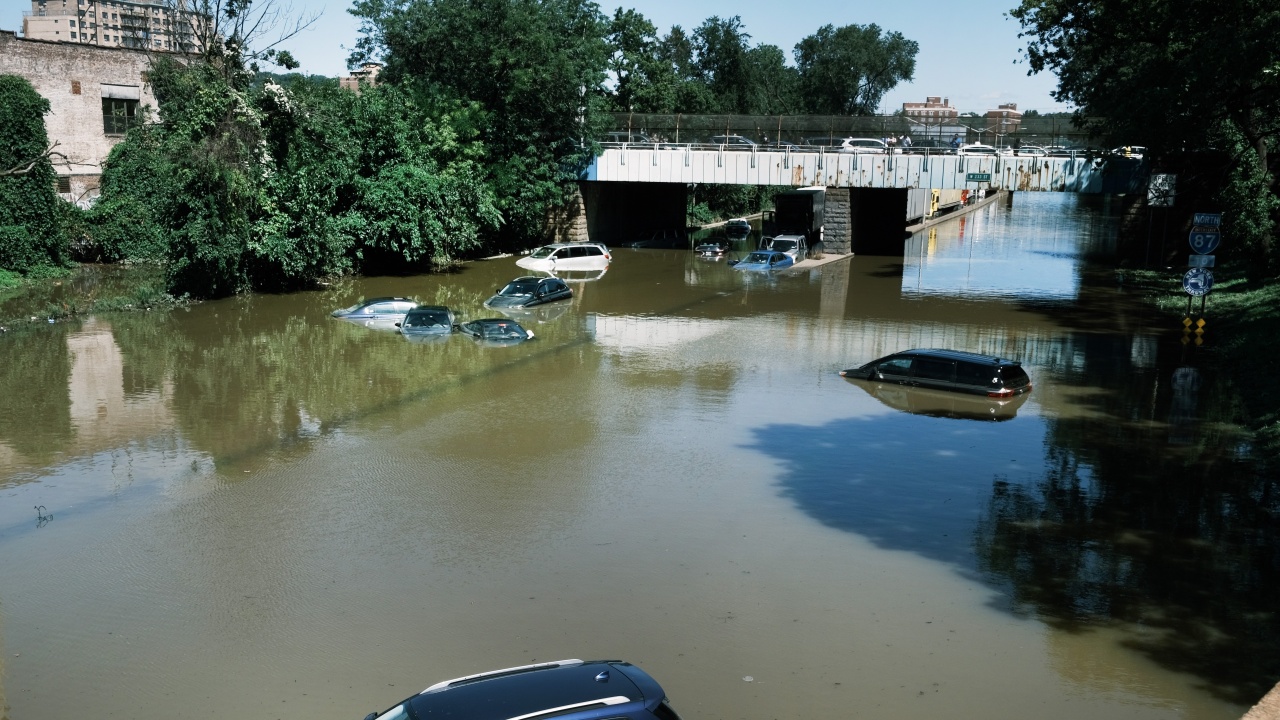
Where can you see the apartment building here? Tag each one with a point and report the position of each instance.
(935, 109)
(156, 25)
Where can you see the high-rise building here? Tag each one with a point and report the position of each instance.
(157, 25)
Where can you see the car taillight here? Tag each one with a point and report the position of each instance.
(1003, 392)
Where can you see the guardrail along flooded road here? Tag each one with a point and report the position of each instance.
(247, 508)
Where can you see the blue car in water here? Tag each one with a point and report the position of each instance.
(765, 260)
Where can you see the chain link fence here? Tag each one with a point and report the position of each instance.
(813, 129)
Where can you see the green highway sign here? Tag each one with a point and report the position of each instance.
(977, 177)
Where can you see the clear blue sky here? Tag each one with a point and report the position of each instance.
(967, 49)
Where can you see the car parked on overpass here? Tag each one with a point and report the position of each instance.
(732, 142)
(978, 149)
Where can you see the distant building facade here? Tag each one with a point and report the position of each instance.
(934, 119)
(94, 93)
(934, 110)
(157, 25)
(366, 75)
(1004, 119)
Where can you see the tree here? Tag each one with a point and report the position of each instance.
(1185, 76)
(29, 233)
(773, 87)
(235, 35)
(722, 62)
(533, 68)
(847, 70)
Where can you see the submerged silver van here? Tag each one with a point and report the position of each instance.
(952, 370)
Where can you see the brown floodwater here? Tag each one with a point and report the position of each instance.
(248, 509)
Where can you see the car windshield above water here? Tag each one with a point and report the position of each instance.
(519, 288)
(422, 318)
(501, 331)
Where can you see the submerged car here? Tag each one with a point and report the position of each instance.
(941, 403)
(567, 256)
(529, 291)
(500, 331)
(381, 313)
(765, 260)
(427, 320)
(577, 689)
(952, 370)
(737, 229)
(794, 246)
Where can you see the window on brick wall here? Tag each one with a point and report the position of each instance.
(118, 115)
(75, 87)
(64, 183)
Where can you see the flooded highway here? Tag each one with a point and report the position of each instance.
(249, 509)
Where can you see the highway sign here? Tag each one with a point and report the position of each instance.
(1161, 190)
(1197, 282)
(1204, 261)
(977, 177)
(1204, 240)
(1207, 219)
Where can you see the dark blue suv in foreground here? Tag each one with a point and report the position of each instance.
(565, 690)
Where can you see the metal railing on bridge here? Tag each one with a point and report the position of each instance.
(823, 129)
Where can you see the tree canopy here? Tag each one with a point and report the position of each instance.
(29, 232)
(847, 70)
(1187, 76)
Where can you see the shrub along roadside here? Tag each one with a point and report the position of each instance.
(1242, 339)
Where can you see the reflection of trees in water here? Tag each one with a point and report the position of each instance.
(34, 366)
(1174, 534)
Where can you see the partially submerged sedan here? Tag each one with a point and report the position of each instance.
(497, 331)
(765, 260)
(383, 313)
(427, 320)
(952, 370)
(529, 291)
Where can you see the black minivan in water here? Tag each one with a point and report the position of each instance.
(952, 370)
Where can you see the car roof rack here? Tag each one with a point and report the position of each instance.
(445, 684)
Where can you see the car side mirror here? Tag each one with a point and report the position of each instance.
(397, 324)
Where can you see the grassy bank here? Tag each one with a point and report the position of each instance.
(82, 290)
(1242, 338)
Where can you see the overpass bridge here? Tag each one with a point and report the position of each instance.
(638, 188)
(634, 191)
(703, 164)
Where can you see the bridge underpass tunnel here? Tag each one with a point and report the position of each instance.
(876, 218)
(628, 212)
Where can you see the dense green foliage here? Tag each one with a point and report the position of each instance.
(267, 187)
(481, 120)
(715, 69)
(524, 66)
(1187, 77)
(846, 71)
(30, 236)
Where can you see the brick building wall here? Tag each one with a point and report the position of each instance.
(93, 93)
